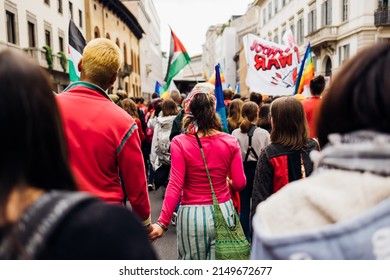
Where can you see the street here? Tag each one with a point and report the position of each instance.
(166, 247)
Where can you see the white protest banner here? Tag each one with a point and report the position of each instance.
(272, 68)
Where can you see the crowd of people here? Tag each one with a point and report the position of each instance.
(309, 178)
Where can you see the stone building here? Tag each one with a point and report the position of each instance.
(39, 28)
(336, 29)
(150, 44)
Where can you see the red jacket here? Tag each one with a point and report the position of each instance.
(311, 106)
(104, 147)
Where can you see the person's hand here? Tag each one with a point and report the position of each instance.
(156, 232)
(149, 228)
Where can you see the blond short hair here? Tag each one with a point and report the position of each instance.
(101, 60)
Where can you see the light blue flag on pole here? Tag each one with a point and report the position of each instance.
(237, 90)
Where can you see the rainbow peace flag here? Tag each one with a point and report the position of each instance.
(306, 71)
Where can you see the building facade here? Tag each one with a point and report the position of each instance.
(39, 28)
(336, 29)
(150, 44)
(245, 24)
(209, 49)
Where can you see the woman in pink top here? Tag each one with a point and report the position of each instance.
(188, 180)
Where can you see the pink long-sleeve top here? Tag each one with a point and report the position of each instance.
(188, 181)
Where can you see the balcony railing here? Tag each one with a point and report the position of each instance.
(39, 55)
(125, 70)
(382, 17)
(322, 35)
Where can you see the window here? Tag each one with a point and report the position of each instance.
(383, 4)
(71, 10)
(31, 34)
(311, 21)
(264, 16)
(345, 10)
(80, 18)
(276, 6)
(283, 3)
(276, 39)
(327, 13)
(61, 43)
(48, 38)
(269, 10)
(60, 6)
(292, 27)
(96, 32)
(343, 53)
(125, 53)
(47, 2)
(11, 27)
(300, 31)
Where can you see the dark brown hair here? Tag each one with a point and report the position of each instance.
(289, 125)
(234, 117)
(202, 107)
(264, 118)
(249, 112)
(256, 97)
(130, 107)
(33, 144)
(317, 85)
(358, 97)
(169, 108)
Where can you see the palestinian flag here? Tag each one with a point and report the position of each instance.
(178, 58)
(75, 50)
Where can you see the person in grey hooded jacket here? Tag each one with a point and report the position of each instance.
(343, 210)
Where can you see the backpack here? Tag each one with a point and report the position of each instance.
(250, 148)
(163, 142)
(149, 131)
(38, 223)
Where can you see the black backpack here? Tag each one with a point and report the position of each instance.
(250, 148)
(38, 222)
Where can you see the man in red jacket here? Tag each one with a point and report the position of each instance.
(104, 146)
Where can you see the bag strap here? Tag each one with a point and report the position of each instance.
(215, 201)
(38, 222)
(250, 148)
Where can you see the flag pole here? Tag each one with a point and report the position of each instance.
(298, 80)
(193, 73)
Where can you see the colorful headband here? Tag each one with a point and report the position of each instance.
(192, 94)
(193, 127)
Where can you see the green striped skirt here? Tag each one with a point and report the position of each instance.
(196, 232)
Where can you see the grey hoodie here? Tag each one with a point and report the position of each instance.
(342, 211)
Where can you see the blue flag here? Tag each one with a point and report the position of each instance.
(158, 89)
(221, 109)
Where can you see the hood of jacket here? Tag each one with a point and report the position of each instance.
(165, 120)
(343, 204)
